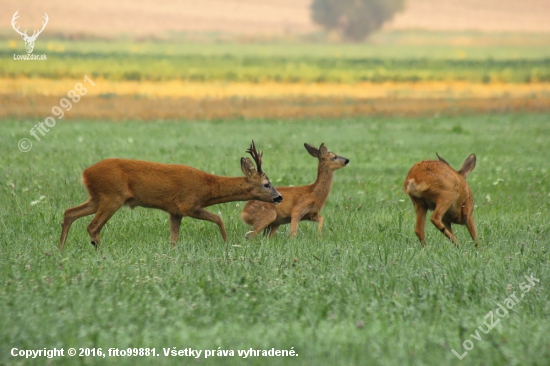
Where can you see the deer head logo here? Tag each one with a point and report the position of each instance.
(29, 40)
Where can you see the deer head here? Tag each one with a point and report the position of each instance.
(255, 175)
(29, 40)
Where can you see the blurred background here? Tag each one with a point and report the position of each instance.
(214, 59)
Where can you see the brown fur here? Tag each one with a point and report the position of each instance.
(300, 203)
(435, 185)
(179, 190)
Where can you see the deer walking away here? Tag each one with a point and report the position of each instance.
(179, 190)
(300, 203)
(435, 185)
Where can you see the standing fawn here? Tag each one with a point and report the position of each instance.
(301, 203)
(434, 185)
(179, 190)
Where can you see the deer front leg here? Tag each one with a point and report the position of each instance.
(175, 223)
(202, 214)
(106, 209)
(294, 220)
(273, 230)
(319, 220)
(72, 214)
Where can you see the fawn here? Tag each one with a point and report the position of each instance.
(179, 190)
(301, 203)
(435, 185)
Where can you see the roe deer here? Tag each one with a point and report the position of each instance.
(301, 203)
(179, 190)
(435, 185)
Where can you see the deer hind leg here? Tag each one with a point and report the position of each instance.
(87, 208)
(175, 223)
(420, 224)
(472, 228)
(105, 211)
(448, 226)
(262, 222)
(202, 214)
(437, 219)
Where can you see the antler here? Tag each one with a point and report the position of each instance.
(35, 33)
(43, 26)
(256, 155)
(13, 19)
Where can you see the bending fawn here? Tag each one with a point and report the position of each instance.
(179, 190)
(301, 203)
(435, 185)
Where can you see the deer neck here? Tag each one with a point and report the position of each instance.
(225, 189)
(323, 184)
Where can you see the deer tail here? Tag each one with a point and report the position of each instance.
(411, 188)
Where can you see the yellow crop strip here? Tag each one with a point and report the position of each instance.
(202, 90)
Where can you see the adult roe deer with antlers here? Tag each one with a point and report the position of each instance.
(435, 185)
(301, 203)
(179, 190)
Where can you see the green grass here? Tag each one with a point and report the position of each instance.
(281, 61)
(366, 293)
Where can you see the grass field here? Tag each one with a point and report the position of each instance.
(366, 293)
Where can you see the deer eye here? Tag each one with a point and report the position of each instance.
(266, 185)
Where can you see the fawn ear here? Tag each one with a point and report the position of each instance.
(468, 166)
(323, 150)
(313, 151)
(247, 166)
(442, 160)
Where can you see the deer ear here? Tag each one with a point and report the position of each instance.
(313, 151)
(323, 150)
(247, 166)
(468, 166)
(442, 160)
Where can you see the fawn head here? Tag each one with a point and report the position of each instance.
(262, 187)
(326, 157)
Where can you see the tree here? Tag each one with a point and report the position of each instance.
(354, 19)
